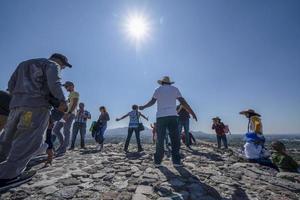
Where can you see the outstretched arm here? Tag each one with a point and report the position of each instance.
(186, 106)
(118, 119)
(146, 118)
(149, 104)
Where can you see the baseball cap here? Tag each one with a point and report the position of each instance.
(62, 58)
(68, 83)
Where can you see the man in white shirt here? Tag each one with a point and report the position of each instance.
(167, 118)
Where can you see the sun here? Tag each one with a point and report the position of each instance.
(137, 27)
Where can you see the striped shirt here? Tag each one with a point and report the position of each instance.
(82, 117)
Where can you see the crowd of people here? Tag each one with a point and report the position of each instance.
(35, 89)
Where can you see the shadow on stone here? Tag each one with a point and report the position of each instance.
(187, 184)
(239, 193)
(134, 155)
(89, 151)
(210, 156)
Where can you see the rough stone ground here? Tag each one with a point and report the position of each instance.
(207, 174)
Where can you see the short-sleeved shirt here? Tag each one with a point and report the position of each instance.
(73, 95)
(134, 119)
(166, 96)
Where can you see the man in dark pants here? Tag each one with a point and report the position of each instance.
(167, 119)
(80, 125)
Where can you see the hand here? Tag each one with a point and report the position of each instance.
(195, 118)
(66, 117)
(62, 107)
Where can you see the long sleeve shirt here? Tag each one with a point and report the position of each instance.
(32, 83)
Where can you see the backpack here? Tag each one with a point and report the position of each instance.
(226, 129)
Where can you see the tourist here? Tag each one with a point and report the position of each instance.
(79, 125)
(254, 121)
(254, 148)
(282, 160)
(66, 122)
(100, 127)
(4, 108)
(192, 138)
(219, 127)
(167, 118)
(134, 124)
(29, 113)
(184, 122)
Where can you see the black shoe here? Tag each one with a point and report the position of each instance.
(71, 149)
(6, 184)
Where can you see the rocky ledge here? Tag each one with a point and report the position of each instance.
(207, 174)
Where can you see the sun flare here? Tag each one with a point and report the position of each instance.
(137, 27)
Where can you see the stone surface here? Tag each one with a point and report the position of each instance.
(208, 174)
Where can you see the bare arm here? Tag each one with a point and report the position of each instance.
(149, 104)
(118, 119)
(186, 106)
(146, 118)
(74, 105)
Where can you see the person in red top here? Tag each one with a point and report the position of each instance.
(219, 127)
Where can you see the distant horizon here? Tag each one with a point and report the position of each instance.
(197, 131)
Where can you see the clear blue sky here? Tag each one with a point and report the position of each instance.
(225, 56)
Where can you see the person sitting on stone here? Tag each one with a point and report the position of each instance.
(282, 160)
(134, 121)
(254, 148)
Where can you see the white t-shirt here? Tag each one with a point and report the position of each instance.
(166, 96)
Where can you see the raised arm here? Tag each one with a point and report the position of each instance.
(146, 118)
(149, 104)
(118, 119)
(186, 106)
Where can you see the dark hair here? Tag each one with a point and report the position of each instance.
(103, 108)
(135, 107)
(81, 103)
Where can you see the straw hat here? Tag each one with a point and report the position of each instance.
(165, 79)
(250, 112)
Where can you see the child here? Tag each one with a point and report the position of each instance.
(154, 133)
(284, 162)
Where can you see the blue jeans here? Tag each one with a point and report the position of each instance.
(63, 137)
(78, 127)
(186, 126)
(222, 138)
(163, 124)
(99, 137)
